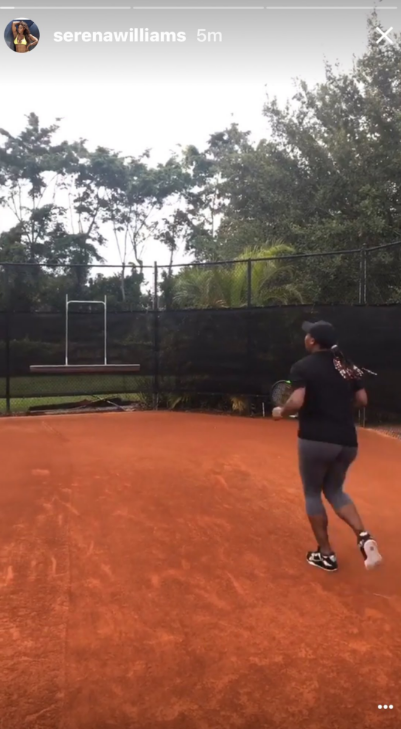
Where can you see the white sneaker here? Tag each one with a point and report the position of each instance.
(370, 551)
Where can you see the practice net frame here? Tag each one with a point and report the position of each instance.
(89, 369)
(105, 368)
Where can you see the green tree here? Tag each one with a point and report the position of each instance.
(212, 179)
(327, 179)
(35, 173)
(65, 200)
(343, 140)
(110, 286)
(34, 170)
(132, 195)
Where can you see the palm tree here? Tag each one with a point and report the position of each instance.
(274, 281)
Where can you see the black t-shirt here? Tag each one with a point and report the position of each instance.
(327, 414)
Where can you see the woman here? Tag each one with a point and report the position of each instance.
(23, 40)
(326, 389)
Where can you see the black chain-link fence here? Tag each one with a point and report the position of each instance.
(365, 275)
(216, 330)
(382, 275)
(210, 352)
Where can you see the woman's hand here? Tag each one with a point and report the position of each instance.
(277, 413)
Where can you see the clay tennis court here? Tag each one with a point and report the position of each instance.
(153, 576)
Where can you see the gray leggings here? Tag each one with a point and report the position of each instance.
(323, 468)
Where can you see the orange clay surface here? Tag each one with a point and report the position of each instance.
(153, 576)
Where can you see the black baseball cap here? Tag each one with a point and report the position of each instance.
(322, 332)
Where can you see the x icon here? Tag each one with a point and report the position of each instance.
(384, 36)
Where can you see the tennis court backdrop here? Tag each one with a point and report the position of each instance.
(212, 330)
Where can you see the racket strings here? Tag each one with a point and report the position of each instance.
(280, 393)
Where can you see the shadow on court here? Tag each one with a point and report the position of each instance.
(153, 576)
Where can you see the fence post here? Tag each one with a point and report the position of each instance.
(249, 288)
(156, 338)
(248, 328)
(362, 275)
(7, 343)
(362, 300)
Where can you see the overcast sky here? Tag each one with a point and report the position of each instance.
(135, 95)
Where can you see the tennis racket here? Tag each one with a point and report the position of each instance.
(280, 393)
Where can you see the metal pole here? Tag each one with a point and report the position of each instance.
(7, 343)
(249, 365)
(362, 275)
(66, 329)
(249, 288)
(156, 340)
(105, 329)
(365, 277)
(362, 301)
(155, 287)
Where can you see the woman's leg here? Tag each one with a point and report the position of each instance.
(345, 507)
(315, 460)
(334, 493)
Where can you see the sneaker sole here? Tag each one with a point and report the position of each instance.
(319, 566)
(373, 557)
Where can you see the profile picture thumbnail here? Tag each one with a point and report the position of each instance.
(21, 35)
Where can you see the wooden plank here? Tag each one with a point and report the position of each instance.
(109, 369)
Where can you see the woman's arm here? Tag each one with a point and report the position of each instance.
(360, 394)
(361, 399)
(292, 406)
(14, 29)
(296, 401)
(34, 40)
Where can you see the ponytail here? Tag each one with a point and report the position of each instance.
(347, 369)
